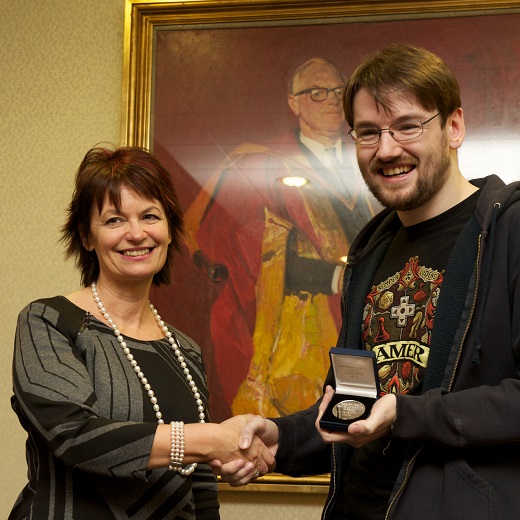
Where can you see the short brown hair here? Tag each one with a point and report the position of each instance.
(402, 67)
(104, 172)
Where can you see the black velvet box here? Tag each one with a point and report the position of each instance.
(357, 388)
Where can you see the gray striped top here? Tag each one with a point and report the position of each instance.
(90, 424)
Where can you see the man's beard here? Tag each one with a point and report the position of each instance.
(434, 170)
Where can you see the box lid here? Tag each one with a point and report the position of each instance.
(355, 372)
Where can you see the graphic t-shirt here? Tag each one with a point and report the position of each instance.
(398, 320)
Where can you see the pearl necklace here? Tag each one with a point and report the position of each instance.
(174, 345)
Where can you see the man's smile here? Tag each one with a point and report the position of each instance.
(396, 170)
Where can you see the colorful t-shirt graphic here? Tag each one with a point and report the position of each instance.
(397, 325)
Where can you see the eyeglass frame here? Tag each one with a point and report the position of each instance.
(381, 130)
(329, 90)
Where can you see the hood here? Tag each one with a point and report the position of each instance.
(495, 198)
(494, 193)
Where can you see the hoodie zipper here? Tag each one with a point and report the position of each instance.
(347, 270)
(332, 484)
(402, 486)
(473, 305)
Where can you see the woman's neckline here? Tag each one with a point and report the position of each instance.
(105, 325)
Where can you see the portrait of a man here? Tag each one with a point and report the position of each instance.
(249, 122)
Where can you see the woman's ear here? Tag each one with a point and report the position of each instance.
(86, 243)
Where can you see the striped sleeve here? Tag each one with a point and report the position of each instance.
(54, 393)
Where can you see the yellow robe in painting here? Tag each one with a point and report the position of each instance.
(291, 334)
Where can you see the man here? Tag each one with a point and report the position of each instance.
(277, 250)
(431, 287)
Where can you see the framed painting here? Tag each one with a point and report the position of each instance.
(211, 87)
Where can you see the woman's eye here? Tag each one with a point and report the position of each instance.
(113, 221)
(151, 216)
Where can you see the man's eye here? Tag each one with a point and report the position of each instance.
(367, 132)
(408, 126)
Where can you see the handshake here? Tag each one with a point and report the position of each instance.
(244, 447)
(248, 445)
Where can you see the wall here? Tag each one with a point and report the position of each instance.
(60, 93)
(60, 84)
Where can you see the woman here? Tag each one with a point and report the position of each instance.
(114, 401)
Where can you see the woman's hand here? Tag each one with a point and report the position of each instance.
(257, 433)
(362, 432)
(212, 441)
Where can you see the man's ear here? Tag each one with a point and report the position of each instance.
(294, 105)
(456, 128)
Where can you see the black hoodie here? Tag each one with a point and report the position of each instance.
(463, 432)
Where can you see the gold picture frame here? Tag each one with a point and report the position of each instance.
(144, 18)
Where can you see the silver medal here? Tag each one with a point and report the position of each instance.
(348, 409)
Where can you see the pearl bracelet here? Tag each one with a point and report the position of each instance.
(177, 450)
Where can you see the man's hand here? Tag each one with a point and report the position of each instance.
(362, 432)
(255, 432)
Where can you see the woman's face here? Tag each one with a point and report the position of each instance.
(131, 244)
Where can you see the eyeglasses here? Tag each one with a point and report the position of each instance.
(321, 93)
(404, 131)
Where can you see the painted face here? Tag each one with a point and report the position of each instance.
(132, 243)
(408, 174)
(319, 120)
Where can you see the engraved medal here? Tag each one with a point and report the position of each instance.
(348, 409)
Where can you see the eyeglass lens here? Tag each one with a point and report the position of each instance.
(322, 93)
(403, 131)
(399, 131)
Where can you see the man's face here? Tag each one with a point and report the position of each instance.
(403, 175)
(319, 120)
